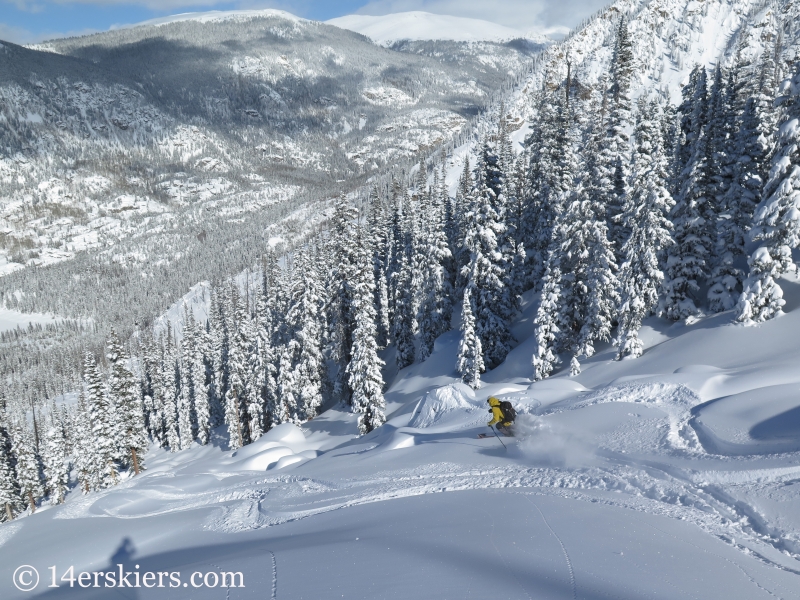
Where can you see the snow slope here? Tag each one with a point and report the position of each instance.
(213, 16)
(418, 25)
(671, 476)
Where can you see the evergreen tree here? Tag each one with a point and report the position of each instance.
(435, 307)
(403, 327)
(169, 391)
(364, 370)
(267, 357)
(9, 490)
(29, 475)
(88, 464)
(131, 435)
(303, 354)
(588, 283)
(340, 294)
(615, 149)
(185, 402)
(197, 363)
(688, 259)
(544, 358)
(646, 217)
(56, 468)
(103, 423)
(485, 273)
(776, 223)
(470, 354)
(238, 372)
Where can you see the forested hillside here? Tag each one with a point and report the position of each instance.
(138, 162)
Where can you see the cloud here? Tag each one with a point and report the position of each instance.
(524, 15)
(168, 6)
(17, 35)
(21, 36)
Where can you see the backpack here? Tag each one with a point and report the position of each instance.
(509, 414)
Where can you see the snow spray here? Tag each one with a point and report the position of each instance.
(544, 443)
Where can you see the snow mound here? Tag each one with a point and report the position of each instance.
(399, 440)
(439, 405)
(279, 443)
(419, 25)
(761, 421)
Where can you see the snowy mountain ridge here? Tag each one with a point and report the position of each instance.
(216, 16)
(419, 25)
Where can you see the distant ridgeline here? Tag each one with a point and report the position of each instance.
(137, 162)
(654, 178)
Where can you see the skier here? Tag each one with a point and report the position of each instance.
(503, 414)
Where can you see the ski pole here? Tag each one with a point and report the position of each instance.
(498, 437)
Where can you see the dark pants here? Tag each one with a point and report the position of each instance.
(505, 429)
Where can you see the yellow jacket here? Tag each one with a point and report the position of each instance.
(498, 415)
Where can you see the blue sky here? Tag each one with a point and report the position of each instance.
(25, 21)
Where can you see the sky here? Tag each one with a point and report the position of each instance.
(29, 21)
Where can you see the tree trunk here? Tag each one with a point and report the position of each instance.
(135, 461)
(8, 512)
(31, 501)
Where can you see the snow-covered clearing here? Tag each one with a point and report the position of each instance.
(11, 319)
(670, 476)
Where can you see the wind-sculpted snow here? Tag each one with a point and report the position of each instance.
(675, 400)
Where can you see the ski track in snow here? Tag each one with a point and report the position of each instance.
(563, 549)
(274, 576)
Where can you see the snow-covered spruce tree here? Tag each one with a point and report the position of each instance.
(364, 370)
(776, 223)
(378, 227)
(199, 346)
(220, 345)
(87, 463)
(470, 354)
(303, 354)
(103, 423)
(267, 357)
(254, 385)
(29, 475)
(56, 467)
(131, 435)
(340, 293)
(395, 250)
(615, 149)
(646, 217)
(485, 275)
(421, 179)
(588, 281)
(149, 386)
(558, 165)
(169, 390)
(9, 490)
(238, 372)
(403, 326)
(187, 429)
(462, 204)
(435, 307)
(688, 259)
(544, 358)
